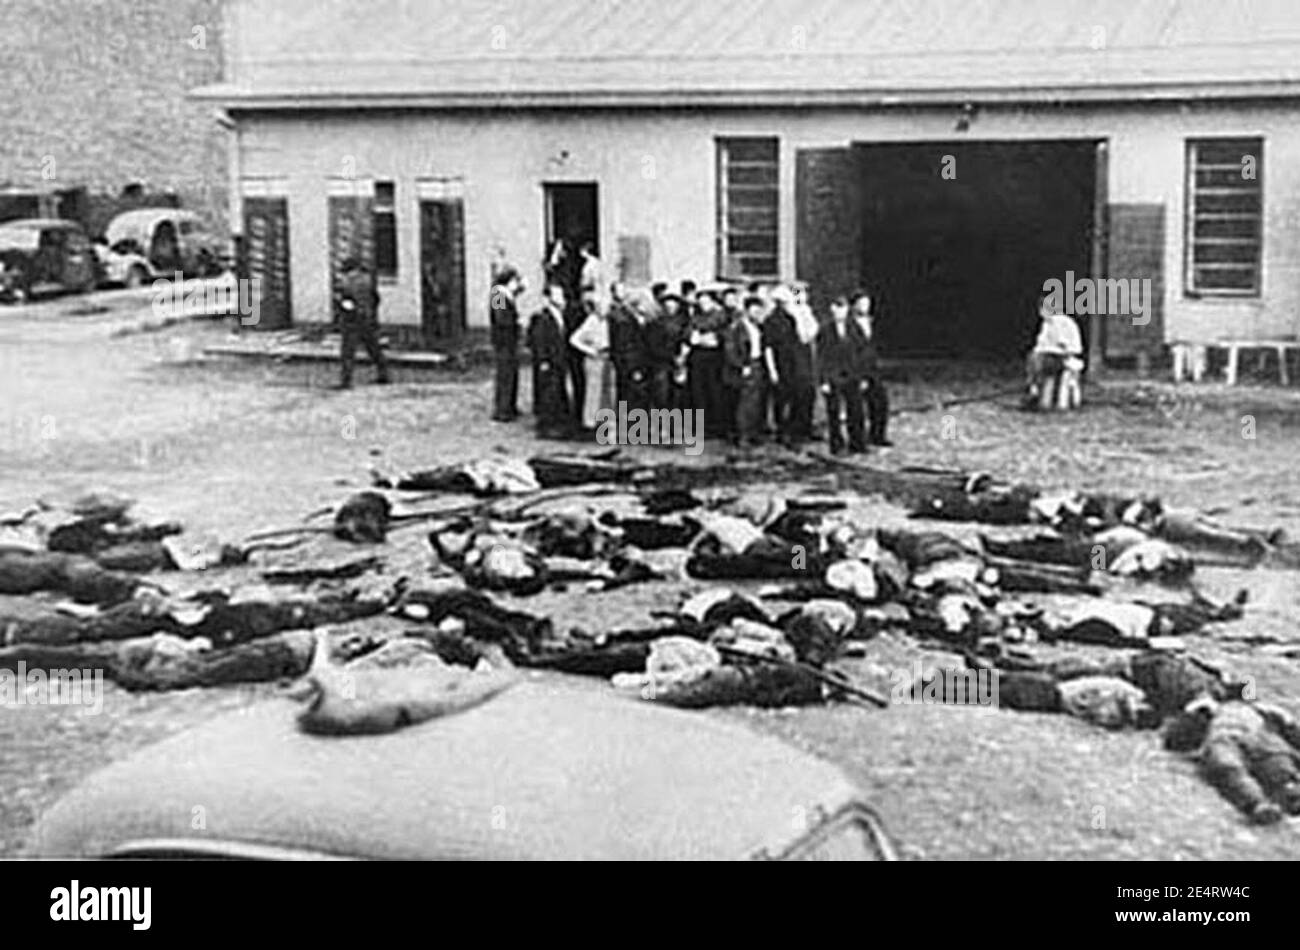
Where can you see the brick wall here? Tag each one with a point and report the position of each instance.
(95, 96)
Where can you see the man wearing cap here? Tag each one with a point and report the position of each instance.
(359, 321)
(504, 311)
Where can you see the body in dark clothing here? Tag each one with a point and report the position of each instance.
(359, 322)
(549, 343)
(793, 388)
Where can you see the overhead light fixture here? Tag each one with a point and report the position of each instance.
(969, 113)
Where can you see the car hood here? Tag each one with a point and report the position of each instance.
(544, 771)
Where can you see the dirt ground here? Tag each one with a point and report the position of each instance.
(232, 447)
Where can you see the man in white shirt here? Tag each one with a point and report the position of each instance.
(1057, 351)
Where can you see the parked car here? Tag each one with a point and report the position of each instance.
(142, 245)
(42, 256)
(545, 770)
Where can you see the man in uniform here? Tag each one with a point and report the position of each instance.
(359, 321)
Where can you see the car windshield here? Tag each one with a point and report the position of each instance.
(19, 239)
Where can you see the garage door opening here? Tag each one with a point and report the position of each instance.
(955, 239)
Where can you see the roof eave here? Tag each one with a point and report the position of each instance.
(247, 100)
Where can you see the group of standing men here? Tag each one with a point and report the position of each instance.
(751, 363)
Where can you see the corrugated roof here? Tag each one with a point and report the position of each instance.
(740, 49)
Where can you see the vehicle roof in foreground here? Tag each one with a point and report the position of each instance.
(546, 770)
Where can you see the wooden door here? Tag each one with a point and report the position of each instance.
(351, 235)
(828, 234)
(1136, 242)
(264, 256)
(442, 269)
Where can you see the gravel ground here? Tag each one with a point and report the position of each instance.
(232, 447)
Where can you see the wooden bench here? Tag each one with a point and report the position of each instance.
(1190, 358)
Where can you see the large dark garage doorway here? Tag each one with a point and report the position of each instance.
(956, 260)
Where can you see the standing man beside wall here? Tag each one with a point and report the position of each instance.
(504, 310)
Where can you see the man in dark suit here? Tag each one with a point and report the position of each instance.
(706, 368)
(359, 321)
(843, 355)
(631, 346)
(667, 337)
(874, 391)
(549, 343)
(791, 371)
(747, 372)
(504, 311)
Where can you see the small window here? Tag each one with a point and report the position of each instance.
(1225, 217)
(749, 199)
(385, 227)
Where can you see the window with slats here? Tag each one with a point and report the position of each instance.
(1225, 217)
(749, 192)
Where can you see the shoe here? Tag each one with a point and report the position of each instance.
(504, 419)
(882, 443)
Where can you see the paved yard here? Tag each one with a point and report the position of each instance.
(230, 447)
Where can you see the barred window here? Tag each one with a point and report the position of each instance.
(749, 191)
(1225, 217)
(385, 228)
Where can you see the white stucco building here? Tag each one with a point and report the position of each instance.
(951, 155)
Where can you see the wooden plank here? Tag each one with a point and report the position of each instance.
(351, 230)
(442, 266)
(265, 257)
(1136, 243)
(828, 234)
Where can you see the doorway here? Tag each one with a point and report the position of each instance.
(954, 239)
(960, 261)
(264, 256)
(572, 215)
